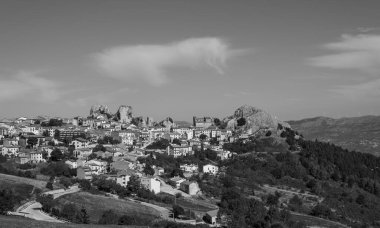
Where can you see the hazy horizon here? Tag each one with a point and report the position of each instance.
(294, 59)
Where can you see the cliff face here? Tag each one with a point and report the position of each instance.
(248, 119)
(124, 114)
(100, 110)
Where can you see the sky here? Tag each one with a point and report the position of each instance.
(293, 58)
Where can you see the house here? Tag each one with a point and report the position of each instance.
(185, 132)
(122, 165)
(176, 150)
(84, 173)
(199, 132)
(121, 178)
(158, 171)
(209, 168)
(72, 164)
(170, 136)
(80, 143)
(82, 153)
(190, 188)
(224, 154)
(177, 180)
(10, 150)
(23, 159)
(211, 216)
(152, 184)
(189, 168)
(10, 142)
(4, 131)
(202, 122)
(36, 157)
(97, 166)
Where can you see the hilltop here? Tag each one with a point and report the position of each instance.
(356, 133)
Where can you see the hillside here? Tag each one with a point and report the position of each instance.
(20, 222)
(97, 204)
(357, 133)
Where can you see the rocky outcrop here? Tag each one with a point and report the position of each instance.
(149, 121)
(249, 120)
(124, 114)
(168, 123)
(100, 111)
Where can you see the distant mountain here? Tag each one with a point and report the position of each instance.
(356, 133)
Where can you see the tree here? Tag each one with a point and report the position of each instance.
(45, 133)
(32, 141)
(109, 217)
(2, 158)
(148, 170)
(133, 184)
(360, 199)
(65, 181)
(126, 220)
(56, 155)
(46, 201)
(217, 121)
(178, 210)
(203, 137)
(241, 121)
(7, 201)
(69, 211)
(82, 216)
(177, 141)
(56, 134)
(272, 199)
(49, 185)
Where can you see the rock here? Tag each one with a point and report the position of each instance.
(168, 123)
(149, 121)
(124, 114)
(255, 119)
(97, 111)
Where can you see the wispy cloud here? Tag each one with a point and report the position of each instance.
(152, 62)
(361, 52)
(101, 98)
(355, 52)
(25, 83)
(369, 89)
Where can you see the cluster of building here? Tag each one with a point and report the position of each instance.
(33, 140)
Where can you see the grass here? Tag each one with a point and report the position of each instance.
(6, 179)
(315, 221)
(97, 204)
(20, 222)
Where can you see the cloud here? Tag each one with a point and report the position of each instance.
(152, 62)
(369, 89)
(28, 84)
(100, 97)
(360, 52)
(355, 52)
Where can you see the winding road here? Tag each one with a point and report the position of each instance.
(33, 209)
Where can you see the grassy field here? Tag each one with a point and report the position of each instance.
(10, 179)
(315, 221)
(96, 205)
(20, 222)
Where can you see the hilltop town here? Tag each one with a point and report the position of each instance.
(194, 174)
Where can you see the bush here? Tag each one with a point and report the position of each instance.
(241, 121)
(109, 217)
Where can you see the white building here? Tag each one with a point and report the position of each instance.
(80, 143)
(152, 184)
(72, 164)
(36, 157)
(10, 150)
(209, 168)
